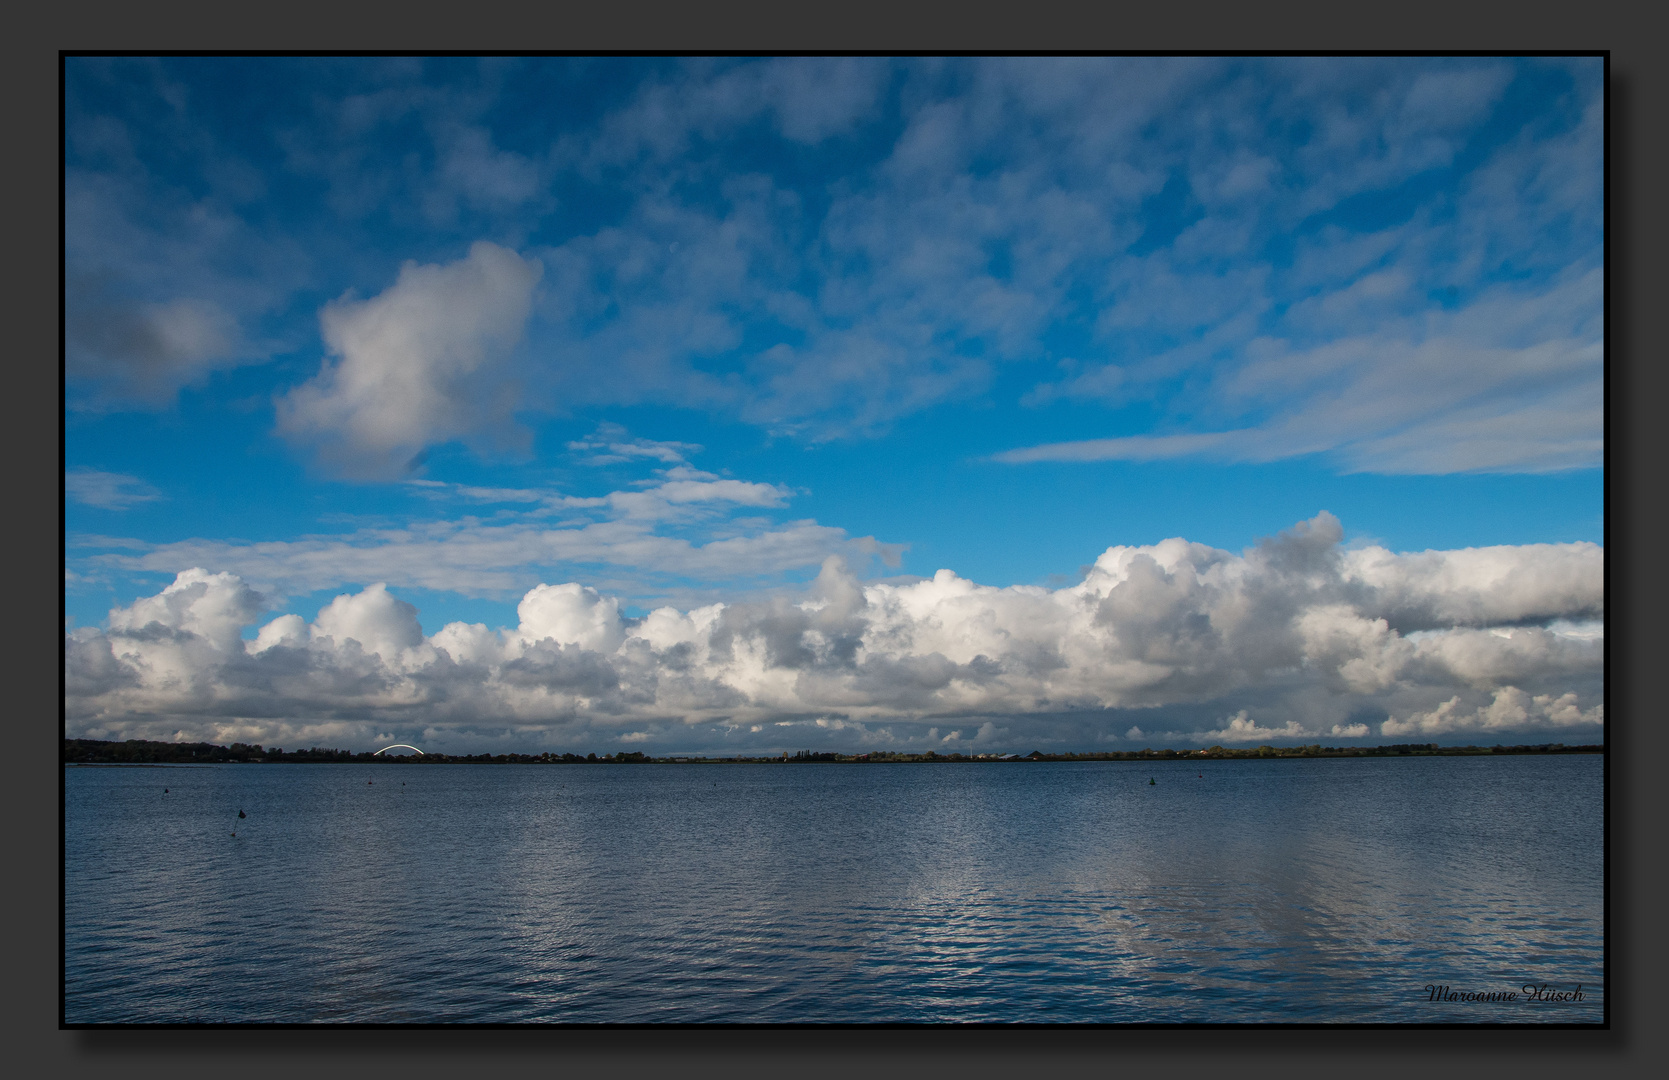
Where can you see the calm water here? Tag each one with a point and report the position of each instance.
(1294, 891)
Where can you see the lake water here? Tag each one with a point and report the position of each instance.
(1307, 891)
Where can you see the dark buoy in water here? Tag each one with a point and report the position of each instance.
(165, 791)
(242, 814)
(1150, 781)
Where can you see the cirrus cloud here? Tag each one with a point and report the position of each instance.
(108, 490)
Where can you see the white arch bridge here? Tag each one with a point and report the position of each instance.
(398, 746)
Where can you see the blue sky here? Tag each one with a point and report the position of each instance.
(679, 332)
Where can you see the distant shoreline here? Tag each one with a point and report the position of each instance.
(139, 752)
(131, 765)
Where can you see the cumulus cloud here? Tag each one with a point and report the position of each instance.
(1296, 629)
(1482, 586)
(380, 623)
(420, 363)
(1510, 709)
(1241, 729)
(213, 607)
(571, 614)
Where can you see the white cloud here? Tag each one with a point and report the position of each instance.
(380, 623)
(1510, 709)
(571, 615)
(421, 363)
(1126, 448)
(611, 444)
(1482, 586)
(438, 489)
(1291, 628)
(740, 492)
(488, 560)
(213, 607)
(1242, 729)
(1510, 383)
(107, 490)
(287, 630)
(679, 527)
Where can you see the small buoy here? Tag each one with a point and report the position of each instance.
(1150, 781)
(165, 791)
(241, 814)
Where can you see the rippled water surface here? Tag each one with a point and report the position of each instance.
(1228, 891)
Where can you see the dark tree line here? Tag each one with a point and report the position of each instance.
(142, 752)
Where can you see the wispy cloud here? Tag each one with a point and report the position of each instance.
(677, 532)
(108, 490)
(441, 489)
(611, 444)
(1489, 388)
(1311, 251)
(1127, 448)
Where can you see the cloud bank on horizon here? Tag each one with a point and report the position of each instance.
(1297, 638)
